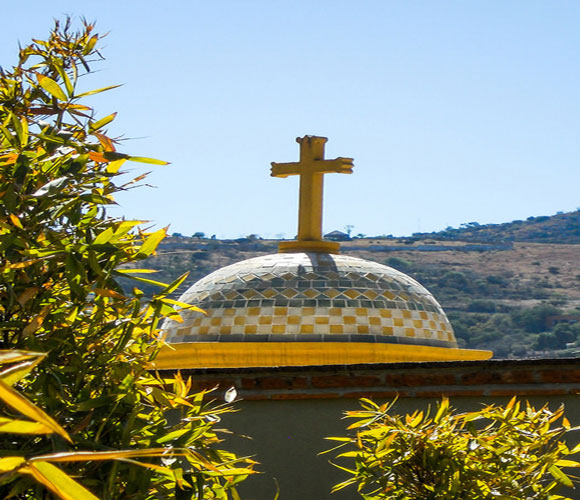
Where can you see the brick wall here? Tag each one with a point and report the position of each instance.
(536, 377)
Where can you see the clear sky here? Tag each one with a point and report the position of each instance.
(454, 111)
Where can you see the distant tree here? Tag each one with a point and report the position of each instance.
(198, 235)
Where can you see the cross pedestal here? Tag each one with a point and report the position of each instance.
(311, 169)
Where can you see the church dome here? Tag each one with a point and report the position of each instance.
(308, 304)
(311, 297)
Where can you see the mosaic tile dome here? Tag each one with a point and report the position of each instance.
(311, 297)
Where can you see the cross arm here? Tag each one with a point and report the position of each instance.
(338, 165)
(284, 169)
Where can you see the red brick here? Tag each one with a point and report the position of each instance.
(345, 381)
(481, 378)
(560, 376)
(419, 379)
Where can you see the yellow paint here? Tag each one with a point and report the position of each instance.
(260, 354)
(311, 169)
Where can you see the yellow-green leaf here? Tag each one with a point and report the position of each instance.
(559, 476)
(51, 87)
(136, 271)
(15, 355)
(10, 426)
(102, 122)
(143, 159)
(8, 464)
(567, 463)
(97, 91)
(57, 481)
(150, 244)
(21, 404)
(14, 373)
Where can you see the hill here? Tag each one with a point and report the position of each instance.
(505, 291)
(559, 228)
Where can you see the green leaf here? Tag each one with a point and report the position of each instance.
(51, 87)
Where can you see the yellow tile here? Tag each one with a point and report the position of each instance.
(352, 294)
(417, 323)
(196, 322)
(335, 311)
(306, 328)
(375, 321)
(423, 315)
(215, 321)
(386, 313)
(349, 320)
(226, 329)
(278, 329)
(239, 320)
(432, 324)
(371, 294)
(310, 293)
(265, 320)
(321, 320)
(230, 312)
(183, 331)
(307, 311)
(410, 332)
(398, 322)
(280, 311)
(388, 295)
(440, 335)
(254, 311)
(388, 330)
(203, 330)
(406, 314)
(404, 296)
(269, 293)
(251, 329)
(293, 320)
(336, 329)
(361, 311)
(331, 293)
(362, 329)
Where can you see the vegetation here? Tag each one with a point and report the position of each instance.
(61, 260)
(509, 453)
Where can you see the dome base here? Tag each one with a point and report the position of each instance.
(189, 355)
(319, 246)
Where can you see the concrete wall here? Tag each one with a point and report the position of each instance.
(288, 412)
(287, 437)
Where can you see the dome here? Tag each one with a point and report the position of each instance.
(308, 304)
(311, 297)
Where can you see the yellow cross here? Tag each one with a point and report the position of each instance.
(311, 169)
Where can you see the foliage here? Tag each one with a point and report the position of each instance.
(60, 262)
(495, 453)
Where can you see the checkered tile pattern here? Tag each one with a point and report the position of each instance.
(311, 294)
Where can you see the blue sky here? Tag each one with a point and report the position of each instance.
(454, 111)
